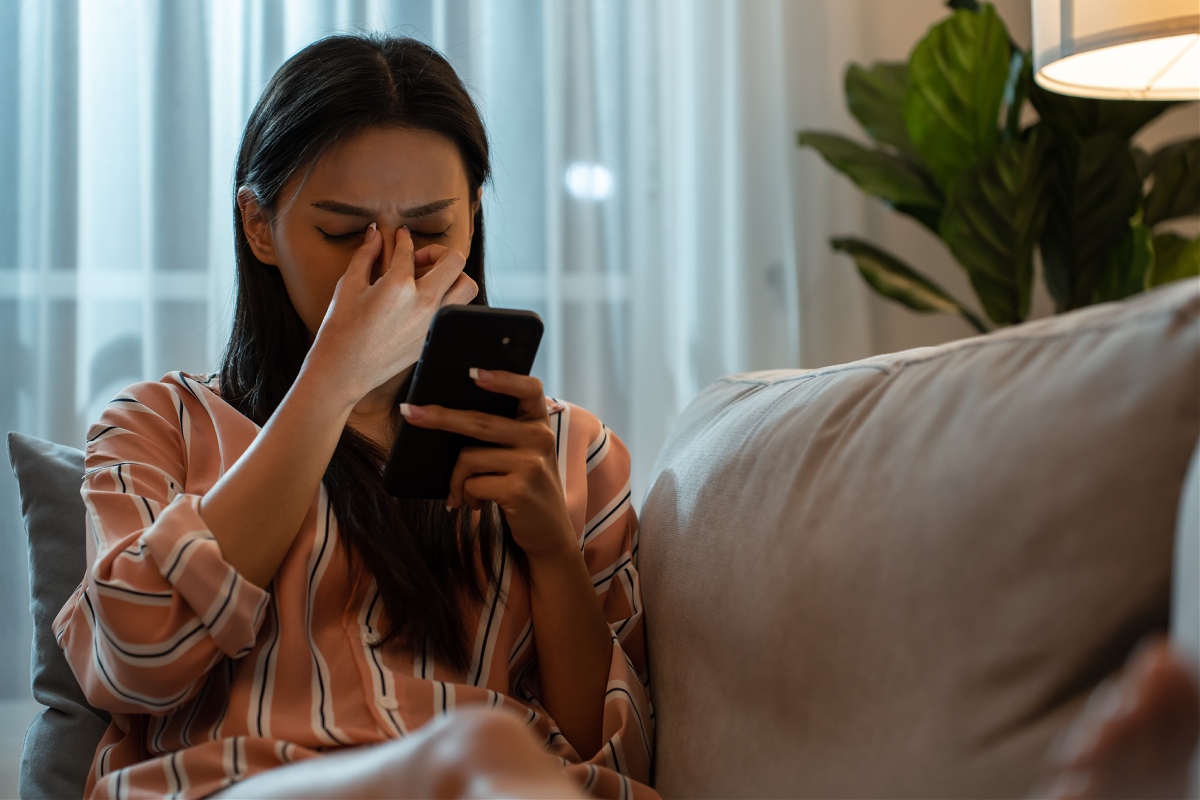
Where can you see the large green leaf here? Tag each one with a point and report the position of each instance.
(1176, 173)
(1095, 190)
(875, 96)
(1175, 258)
(1129, 263)
(884, 175)
(1082, 117)
(897, 281)
(930, 217)
(994, 216)
(956, 79)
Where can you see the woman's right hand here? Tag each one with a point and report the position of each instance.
(372, 331)
(374, 328)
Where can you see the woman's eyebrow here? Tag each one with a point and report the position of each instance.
(338, 207)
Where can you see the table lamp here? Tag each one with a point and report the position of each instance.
(1118, 49)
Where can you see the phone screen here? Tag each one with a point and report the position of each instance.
(460, 337)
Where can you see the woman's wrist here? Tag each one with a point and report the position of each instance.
(545, 567)
(574, 645)
(562, 559)
(319, 379)
(558, 574)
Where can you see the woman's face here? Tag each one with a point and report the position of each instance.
(390, 176)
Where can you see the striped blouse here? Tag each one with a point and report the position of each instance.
(211, 679)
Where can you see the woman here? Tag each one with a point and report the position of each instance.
(255, 599)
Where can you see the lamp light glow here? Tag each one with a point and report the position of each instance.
(1118, 49)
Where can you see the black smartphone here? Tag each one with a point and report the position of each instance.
(460, 337)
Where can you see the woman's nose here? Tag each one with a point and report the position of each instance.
(385, 253)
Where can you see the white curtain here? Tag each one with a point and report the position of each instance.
(648, 199)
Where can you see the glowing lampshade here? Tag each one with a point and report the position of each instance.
(1119, 49)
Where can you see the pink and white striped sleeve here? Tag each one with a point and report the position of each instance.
(158, 605)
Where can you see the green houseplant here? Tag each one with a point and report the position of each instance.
(953, 149)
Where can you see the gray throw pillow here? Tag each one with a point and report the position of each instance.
(61, 741)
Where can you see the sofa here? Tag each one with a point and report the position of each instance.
(900, 577)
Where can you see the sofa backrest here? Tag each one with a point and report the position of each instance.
(901, 577)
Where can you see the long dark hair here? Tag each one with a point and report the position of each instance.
(423, 558)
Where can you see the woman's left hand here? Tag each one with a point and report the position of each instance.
(520, 474)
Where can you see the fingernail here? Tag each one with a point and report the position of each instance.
(372, 229)
(1082, 736)
(1068, 785)
(411, 411)
(1077, 744)
(449, 507)
(481, 375)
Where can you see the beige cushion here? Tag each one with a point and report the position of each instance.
(901, 577)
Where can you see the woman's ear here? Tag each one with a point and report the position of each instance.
(257, 226)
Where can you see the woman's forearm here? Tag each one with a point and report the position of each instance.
(574, 648)
(257, 507)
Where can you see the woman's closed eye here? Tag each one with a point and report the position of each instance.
(358, 234)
